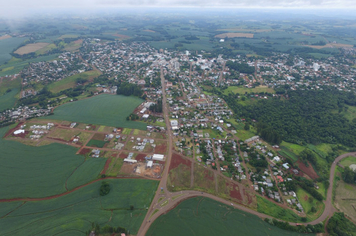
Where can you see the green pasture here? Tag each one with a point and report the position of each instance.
(295, 148)
(348, 161)
(104, 109)
(70, 81)
(73, 214)
(304, 199)
(204, 216)
(269, 208)
(8, 100)
(35, 172)
(287, 153)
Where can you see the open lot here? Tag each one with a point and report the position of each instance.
(348, 161)
(242, 90)
(203, 216)
(32, 47)
(308, 202)
(345, 199)
(110, 110)
(72, 214)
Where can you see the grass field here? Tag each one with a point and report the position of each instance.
(242, 90)
(72, 214)
(286, 152)
(348, 161)
(114, 167)
(295, 148)
(70, 81)
(203, 216)
(8, 100)
(37, 171)
(269, 208)
(304, 199)
(96, 143)
(105, 109)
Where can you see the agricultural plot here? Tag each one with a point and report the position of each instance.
(35, 171)
(287, 153)
(8, 100)
(105, 109)
(72, 214)
(203, 216)
(6, 47)
(234, 35)
(32, 47)
(345, 199)
(348, 161)
(115, 167)
(70, 81)
(269, 208)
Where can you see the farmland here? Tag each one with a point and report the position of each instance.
(70, 81)
(110, 110)
(234, 35)
(6, 47)
(39, 171)
(243, 90)
(348, 161)
(203, 216)
(73, 213)
(32, 47)
(345, 198)
(8, 100)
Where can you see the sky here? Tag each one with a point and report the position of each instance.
(13, 4)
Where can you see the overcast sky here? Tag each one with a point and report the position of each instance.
(189, 3)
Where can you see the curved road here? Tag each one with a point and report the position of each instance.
(164, 201)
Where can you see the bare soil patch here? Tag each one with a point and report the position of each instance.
(5, 37)
(32, 47)
(11, 131)
(161, 149)
(140, 157)
(121, 36)
(107, 164)
(235, 191)
(123, 155)
(127, 168)
(147, 30)
(234, 35)
(84, 151)
(307, 170)
(331, 45)
(99, 136)
(177, 160)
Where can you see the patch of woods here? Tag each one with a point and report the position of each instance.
(157, 107)
(339, 225)
(318, 228)
(104, 188)
(241, 67)
(349, 176)
(128, 89)
(302, 116)
(107, 229)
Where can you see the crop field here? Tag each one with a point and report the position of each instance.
(345, 199)
(307, 203)
(269, 208)
(203, 216)
(45, 49)
(35, 171)
(5, 37)
(72, 214)
(295, 148)
(105, 109)
(286, 152)
(234, 35)
(70, 81)
(8, 100)
(6, 47)
(115, 167)
(32, 47)
(96, 143)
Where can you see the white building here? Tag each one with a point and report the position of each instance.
(157, 157)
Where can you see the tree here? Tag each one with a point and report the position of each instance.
(104, 188)
(247, 126)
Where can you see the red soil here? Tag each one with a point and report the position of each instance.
(22, 135)
(307, 170)
(177, 160)
(161, 149)
(84, 151)
(209, 175)
(107, 163)
(140, 157)
(58, 139)
(11, 131)
(234, 191)
(123, 155)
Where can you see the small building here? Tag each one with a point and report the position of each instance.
(130, 160)
(285, 165)
(20, 131)
(149, 164)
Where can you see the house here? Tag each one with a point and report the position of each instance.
(285, 165)
(280, 179)
(276, 159)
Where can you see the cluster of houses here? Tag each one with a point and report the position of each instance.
(22, 113)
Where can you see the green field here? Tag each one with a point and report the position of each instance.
(70, 81)
(6, 47)
(295, 148)
(242, 90)
(8, 100)
(72, 214)
(269, 208)
(348, 161)
(105, 109)
(96, 143)
(29, 171)
(307, 204)
(203, 216)
(287, 153)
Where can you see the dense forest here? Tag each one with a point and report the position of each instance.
(128, 89)
(303, 116)
(241, 67)
(339, 225)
